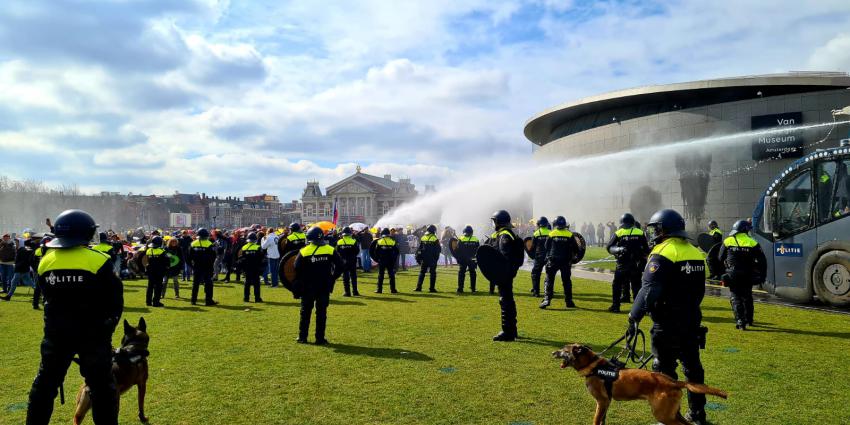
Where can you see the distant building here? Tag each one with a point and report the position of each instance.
(361, 197)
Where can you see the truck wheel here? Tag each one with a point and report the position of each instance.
(831, 278)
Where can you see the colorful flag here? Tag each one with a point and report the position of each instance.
(336, 213)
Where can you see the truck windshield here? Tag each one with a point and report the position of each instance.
(794, 212)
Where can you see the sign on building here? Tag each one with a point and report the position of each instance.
(777, 144)
(180, 220)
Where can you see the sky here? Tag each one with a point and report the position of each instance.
(248, 97)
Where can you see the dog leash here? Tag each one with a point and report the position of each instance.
(630, 350)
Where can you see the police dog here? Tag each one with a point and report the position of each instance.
(663, 394)
(129, 366)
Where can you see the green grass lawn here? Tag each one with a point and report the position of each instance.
(418, 358)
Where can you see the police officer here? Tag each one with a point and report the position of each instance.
(348, 249)
(672, 291)
(251, 260)
(83, 303)
(157, 270)
(106, 247)
(745, 266)
(295, 240)
(428, 254)
(386, 254)
(317, 266)
(628, 244)
(506, 242)
(715, 232)
(560, 249)
(538, 249)
(467, 246)
(202, 259)
(37, 255)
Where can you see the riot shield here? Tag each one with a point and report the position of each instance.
(705, 242)
(493, 265)
(582, 247)
(287, 274)
(175, 265)
(454, 244)
(373, 250)
(715, 267)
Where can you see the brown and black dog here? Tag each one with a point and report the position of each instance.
(129, 366)
(663, 394)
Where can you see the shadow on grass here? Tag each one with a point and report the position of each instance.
(540, 341)
(718, 319)
(136, 309)
(422, 295)
(344, 302)
(282, 304)
(392, 298)
(381, 353)
(187, 308)
(253, 307)
(828, 334)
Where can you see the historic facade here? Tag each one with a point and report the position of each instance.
(361, 198)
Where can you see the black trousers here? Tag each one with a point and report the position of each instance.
(36, 294)
(536, 271)
(430, 268)
(252, 279)
(566, 278)
(320, 301)
(389, 270)
(202, 277)
(741, 298)
(154, 291)
(461, 275)
(349, 276)
(95, 354)
(623, 278)
(670, 348)
(508, 307)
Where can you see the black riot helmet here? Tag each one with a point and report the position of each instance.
(295, 227)
(542, 222)
(713, 224)
(501, 219)
(203, 233)
(103, 237)
(346, 230)
(467, 231)
(156, 242)
(665, 224)
(315, 235)
(627, 220)
(431, 229)
(252, 236)
(741, 226)
(560, 222)
(72, 228)
(385, 231)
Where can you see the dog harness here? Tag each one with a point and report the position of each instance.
(123, 356)
(608, 372)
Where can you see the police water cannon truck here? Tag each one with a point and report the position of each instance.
(802, 221)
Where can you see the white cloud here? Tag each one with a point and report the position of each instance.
(832, 56)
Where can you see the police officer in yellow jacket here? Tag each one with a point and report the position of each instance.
(317, 266)
(83, 303)
(672, 290)
(538, 249)
(745, 266)
(560, 250)
(510, 247)
(428, 254)
(106, 247)
(467, 247)
(295, 240)
(348, 249)
(628, 244)
(202, 258)
(715, 232)
(251, 260)
(157, 270)
(386, 254)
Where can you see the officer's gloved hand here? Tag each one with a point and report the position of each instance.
(633, 327)
(617, 251)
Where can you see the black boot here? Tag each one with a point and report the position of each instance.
(504, 337)
(545, 303)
